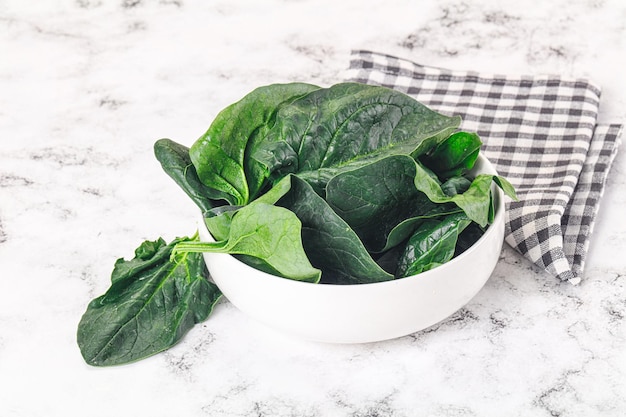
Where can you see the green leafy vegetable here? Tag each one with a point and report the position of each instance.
(455, 185)
(432, 244)
(398, 183)
(268, 233)
(376, 199)
(347, 125)
(220, 154)
(330, 243)
(455, 156)
(154, 299)
(175, 161)
(476, 201)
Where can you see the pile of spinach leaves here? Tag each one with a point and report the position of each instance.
(348, 184)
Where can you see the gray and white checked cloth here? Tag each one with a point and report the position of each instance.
(540, 132)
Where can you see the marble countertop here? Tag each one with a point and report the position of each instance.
(87, 86)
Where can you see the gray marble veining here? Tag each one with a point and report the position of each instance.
(87, 86)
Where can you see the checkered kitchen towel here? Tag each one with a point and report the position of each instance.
(541, 134)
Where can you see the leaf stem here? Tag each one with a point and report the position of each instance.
(199, 247)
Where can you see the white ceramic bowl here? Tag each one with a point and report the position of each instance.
(362, 312)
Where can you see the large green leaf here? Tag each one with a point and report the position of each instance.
(176, 163)
(220, 154)
(476, 201)
(347, 125)
(218, 219)
(455, 156)
(267, 233)
(329, 241)
(380, 202)
(153, 301)
(432, 244)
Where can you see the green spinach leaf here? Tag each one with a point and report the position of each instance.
(154, 299)
(455, 156)
(331, 244)
(405, 228)
(345, 126)
(176, 163)
(432, 244)
(476, 201)
(220, 154)
(268, 233)
(456, 185)
(381, 203)
(385, 201)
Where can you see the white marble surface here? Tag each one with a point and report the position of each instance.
(87, 86)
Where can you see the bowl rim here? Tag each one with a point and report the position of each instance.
(482, 162)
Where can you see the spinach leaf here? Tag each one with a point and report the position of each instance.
(385, 201)
(476, 201)
(218, 221)
(268, 233)
(154, 299)
(176, 163)
(381, 198)
(345, 126)
(405, 228)
(456, 185)
(432, 244)
(220, 154)
(330, 243)
(455, 156)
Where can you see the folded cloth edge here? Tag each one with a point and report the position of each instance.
(478, 74)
